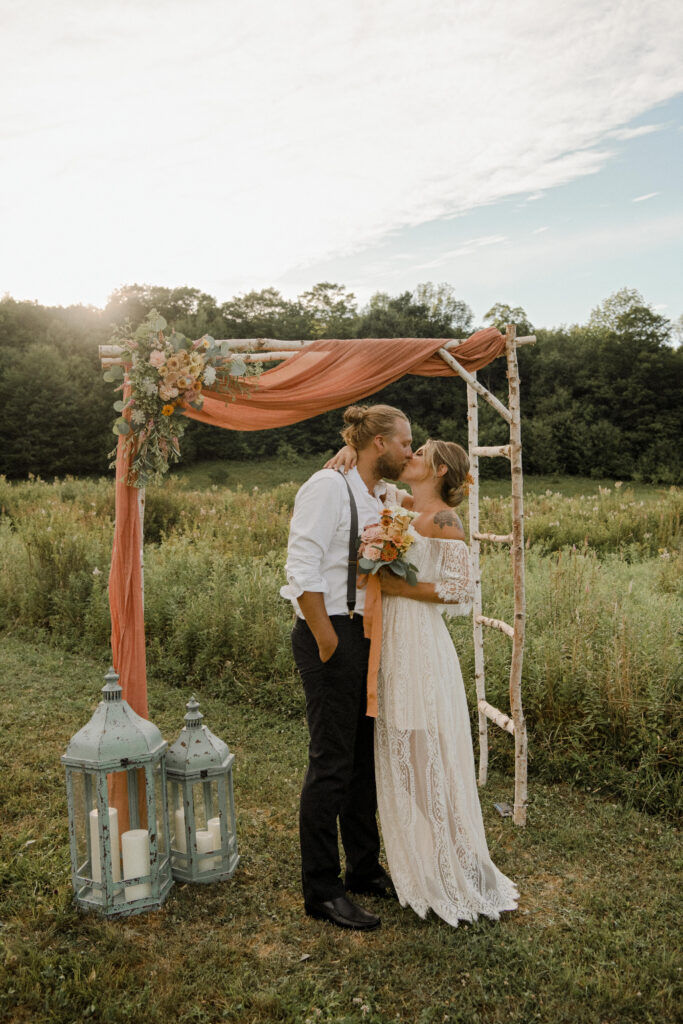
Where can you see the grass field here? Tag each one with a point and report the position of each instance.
(596, 937)
(269, 473)
(595, 940)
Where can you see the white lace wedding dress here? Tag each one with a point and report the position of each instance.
(424, 760)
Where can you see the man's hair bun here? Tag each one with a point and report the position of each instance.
(363, 422)
(355, 414)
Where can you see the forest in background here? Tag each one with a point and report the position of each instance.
(600, 399)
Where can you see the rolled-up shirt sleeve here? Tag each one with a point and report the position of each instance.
(314, 524)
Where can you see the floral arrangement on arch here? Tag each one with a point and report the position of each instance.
(166, 374)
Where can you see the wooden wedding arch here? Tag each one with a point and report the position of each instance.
(265, 350)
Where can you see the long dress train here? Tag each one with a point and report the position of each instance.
(424, 761)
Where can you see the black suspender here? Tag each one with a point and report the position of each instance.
(353, 551)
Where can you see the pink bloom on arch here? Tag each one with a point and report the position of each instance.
(157, 358)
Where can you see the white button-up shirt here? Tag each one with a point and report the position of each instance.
(318, 549)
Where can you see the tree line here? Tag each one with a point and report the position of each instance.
(599, 399)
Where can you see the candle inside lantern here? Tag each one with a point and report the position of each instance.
(205, 845)
(215, 830)
(180, 837)
(135, 846)
(95, 845)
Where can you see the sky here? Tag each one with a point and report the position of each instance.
(528, 153)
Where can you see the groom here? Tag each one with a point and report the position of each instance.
(331, 654)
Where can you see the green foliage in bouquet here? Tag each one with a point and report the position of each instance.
(166, 374)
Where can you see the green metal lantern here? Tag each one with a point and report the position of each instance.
(118, 815)
(201, 803)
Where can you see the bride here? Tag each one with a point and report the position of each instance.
(424, 762)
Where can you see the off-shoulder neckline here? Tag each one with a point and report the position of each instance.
(441, 540)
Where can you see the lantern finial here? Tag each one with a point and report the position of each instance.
(112, 689)
(193, 718)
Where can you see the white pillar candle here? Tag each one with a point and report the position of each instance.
(215, 830)
(95, 845)
(205, 845)
(180, 838)
(135, 846)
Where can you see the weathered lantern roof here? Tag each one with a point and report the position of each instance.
(114, 734)
(197, 750)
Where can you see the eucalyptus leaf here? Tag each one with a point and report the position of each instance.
(237, 367)
(225, 349)
(119, 406)
(157, 323)
(109, 377)
(117, 372)
(121, 426)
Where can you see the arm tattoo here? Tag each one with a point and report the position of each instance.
(447, 518)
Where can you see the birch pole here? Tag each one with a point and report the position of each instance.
(517, 554)
(477, 631)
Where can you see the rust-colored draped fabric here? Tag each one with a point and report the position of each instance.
(326, 375)
(125, 589)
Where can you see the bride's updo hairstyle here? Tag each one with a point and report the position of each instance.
(455, 482)
(363, 422)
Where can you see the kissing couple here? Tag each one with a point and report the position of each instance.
(415, 761)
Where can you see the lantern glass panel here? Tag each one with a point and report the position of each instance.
(159, 800)
(205, 803)
(81, 818)
(117, 798)
(176, 816)
(136, 797)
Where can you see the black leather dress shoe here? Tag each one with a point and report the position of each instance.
(382, 887)
(344, 914)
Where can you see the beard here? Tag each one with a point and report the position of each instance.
(390, 466)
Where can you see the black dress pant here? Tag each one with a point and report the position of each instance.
(340, 780)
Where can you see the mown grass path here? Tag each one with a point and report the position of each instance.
(595, 939)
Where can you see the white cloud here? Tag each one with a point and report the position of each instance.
(626, 134)
(466, 249)
(539, 231)
(641, 199)
(224, 145)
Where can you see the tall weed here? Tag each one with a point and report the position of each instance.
(601, 684)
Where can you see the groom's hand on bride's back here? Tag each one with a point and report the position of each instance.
(346, 458)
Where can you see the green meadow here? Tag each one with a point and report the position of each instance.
(598, 865)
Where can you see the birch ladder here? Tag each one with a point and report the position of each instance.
(514, 722)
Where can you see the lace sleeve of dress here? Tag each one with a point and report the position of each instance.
(454, 582)
(393, 496)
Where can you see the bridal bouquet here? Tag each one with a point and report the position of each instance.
(385, 544)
